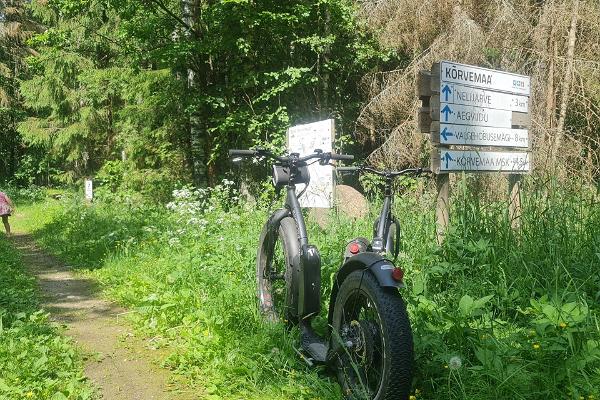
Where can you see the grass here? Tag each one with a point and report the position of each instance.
(36, 361)
(496, 314)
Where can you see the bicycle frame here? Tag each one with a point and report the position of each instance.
(382, 241)
(385, 220)
(306, 265)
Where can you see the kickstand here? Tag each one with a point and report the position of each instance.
(308, 361)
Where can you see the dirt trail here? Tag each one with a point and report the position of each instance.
(117, 363)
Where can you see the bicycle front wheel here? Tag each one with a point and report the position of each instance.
(276, 272)
(373, 340)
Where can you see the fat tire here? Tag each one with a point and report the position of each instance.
(288, 236)
(396, 334)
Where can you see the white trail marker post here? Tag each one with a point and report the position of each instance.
(89, 190)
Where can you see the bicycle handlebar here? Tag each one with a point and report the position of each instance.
(385, 173)
(341, 157)
(318, 154)
(347, 169)
(241, 153)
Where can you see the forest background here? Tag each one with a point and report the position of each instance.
(148, 94)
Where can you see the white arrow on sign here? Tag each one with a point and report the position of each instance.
(483, 161)
(484, 78)
(467, 135)
(469, 96)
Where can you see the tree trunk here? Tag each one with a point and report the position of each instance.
(325, 111)
(196, 133)
(566, 84)
(550, 95)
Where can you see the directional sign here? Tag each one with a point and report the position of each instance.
(445, 160)
(469, 115)
(484, 78)
(467, 135)
(469, 96)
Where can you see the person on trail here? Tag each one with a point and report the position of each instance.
(6, 209)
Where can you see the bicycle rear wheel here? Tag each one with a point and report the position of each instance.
(277, 271)
(373, 339)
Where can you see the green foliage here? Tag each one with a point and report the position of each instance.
(16, 25)
(36, 362)
(24, 194)
(173, 94)
(496, 314)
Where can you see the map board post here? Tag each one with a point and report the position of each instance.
(486, 113)
(304, 139)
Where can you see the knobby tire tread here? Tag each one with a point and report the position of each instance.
(286, 234)
(399, 343)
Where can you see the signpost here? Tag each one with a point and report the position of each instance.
(477, 116)
(465, 105)
(446, 160)
(304, 139)
(469, 75)
(469, 96)
(469, 135)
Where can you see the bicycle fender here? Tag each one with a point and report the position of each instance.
(277, 216)
(309, 298)
(379, 266)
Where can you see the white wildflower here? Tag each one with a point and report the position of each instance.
(455, 362)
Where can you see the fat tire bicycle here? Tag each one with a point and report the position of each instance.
(369, 339)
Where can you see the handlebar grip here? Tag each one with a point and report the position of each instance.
(347, 169)
(342, 157)
(242, 153)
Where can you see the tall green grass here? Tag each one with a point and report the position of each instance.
(496, 313)
(36, 362)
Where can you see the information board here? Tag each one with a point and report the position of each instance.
(304, 139)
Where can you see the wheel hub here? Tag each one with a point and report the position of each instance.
(360, 338)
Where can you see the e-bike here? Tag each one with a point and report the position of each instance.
(369, 340)
(386, 228)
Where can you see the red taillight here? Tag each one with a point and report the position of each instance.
(354, 248)
(397, 274)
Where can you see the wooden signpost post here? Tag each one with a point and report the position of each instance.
(484, 111)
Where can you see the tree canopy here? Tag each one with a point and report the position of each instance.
(155, 91)
(158, 90)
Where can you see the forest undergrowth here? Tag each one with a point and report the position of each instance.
(496, 313)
